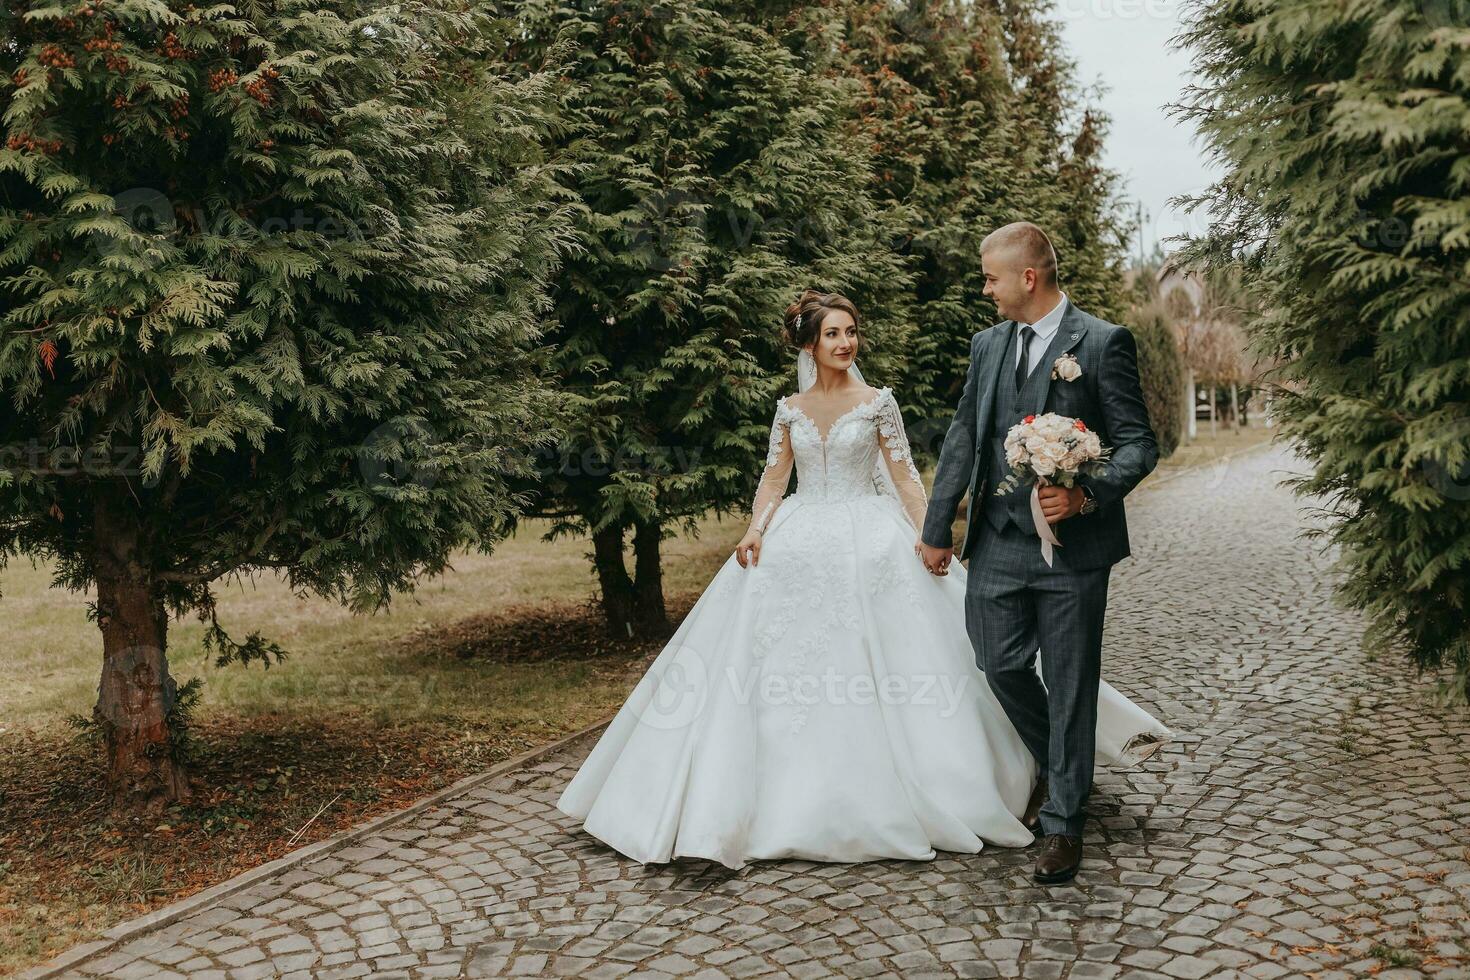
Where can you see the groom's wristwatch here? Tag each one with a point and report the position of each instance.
(1089, 502)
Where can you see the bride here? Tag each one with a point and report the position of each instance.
(820, 700)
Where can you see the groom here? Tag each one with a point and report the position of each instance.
(1015, 603)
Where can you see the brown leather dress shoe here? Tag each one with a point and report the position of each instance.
(1032, 817)
(1059, 859)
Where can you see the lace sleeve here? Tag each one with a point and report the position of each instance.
(900, 461)
(777, 475)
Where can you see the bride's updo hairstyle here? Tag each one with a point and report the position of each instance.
(804, 317)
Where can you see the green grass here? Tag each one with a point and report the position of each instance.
(338, 661)
(1394, 957)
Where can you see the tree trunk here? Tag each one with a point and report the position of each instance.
(1191, 424)
(1235, 405)
(1214, 409)
(612, 576)
(136, 695)
(651, 615)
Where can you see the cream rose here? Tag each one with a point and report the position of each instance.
(1066, 368)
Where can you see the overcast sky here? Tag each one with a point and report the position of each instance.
(1123, 45)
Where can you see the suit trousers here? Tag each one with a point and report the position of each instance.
(1014, 605)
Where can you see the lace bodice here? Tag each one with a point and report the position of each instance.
(848, 461)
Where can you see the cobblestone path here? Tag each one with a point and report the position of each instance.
(1312, 819)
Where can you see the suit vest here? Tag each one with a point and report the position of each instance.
(1008, 411)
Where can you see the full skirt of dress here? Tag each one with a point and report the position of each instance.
(823, 704)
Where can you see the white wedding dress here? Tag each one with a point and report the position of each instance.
(825, 703)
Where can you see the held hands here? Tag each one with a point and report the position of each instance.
(1060, 503)
(936, 560)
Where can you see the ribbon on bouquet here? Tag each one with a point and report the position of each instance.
(1048, 536)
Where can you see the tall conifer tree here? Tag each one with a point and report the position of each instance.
(977, 119)
(270, 276)
(719, 177)
(1341, 129)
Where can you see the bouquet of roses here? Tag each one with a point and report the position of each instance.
(1044, 450)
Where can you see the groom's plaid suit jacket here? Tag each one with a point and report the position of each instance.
(1107, 397)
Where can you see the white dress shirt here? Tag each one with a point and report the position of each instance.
(1046, 329)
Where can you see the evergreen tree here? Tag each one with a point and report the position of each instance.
(1160, 373)
(977, 120)
(270, 275)
(717, 180)
(1341, 128)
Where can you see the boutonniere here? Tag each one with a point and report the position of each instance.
(1066, 368)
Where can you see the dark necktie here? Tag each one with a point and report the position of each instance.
(1022, 366)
